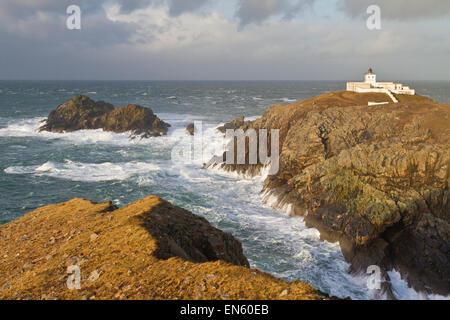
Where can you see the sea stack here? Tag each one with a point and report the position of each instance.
(82, 113)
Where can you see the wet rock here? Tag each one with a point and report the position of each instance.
(190, 129)
(82, 113)
(233, 125)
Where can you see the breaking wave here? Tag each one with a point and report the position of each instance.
(86, 172)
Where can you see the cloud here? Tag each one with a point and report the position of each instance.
(211, 47)
(38, 27)
(23, 8)
(399, 9)
(257, 11)
(162, 39)
(176, 7)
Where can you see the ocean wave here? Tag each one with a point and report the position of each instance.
(403, 291)
(30, 128)
(86, 172)
(287, 100)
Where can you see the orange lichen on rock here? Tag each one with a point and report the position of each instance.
(147, 250)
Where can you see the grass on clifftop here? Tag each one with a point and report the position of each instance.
(115, 250)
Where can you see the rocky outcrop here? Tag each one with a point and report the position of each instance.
(376, 179)
(147, 250)
(82, 113)
(233, 125)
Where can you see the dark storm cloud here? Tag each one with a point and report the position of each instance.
(256, 11)
(400, 9)
(45, 20)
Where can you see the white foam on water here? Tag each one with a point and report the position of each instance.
(403, 291)
(30, 128)
(21, 128)
(287, 100)
(86, 172)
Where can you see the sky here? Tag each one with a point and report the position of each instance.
(224, 40)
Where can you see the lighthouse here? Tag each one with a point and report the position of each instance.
(370, 77)
(370, 84)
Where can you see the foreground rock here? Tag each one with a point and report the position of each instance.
(147, 250)
(82, 113)
(376, 179)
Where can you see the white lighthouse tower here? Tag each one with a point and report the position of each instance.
(370, 77)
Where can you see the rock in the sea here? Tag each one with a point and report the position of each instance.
(190, 129)
(233, 125)
(82, 113)
(139, 120)
(374, 178)
(149, 249)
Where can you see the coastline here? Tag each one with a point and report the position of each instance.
(362, 242)
(71, 171)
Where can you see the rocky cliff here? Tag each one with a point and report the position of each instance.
(147, 250)
(82, 113)
(376, 179)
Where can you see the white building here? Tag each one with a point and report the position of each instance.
(370, 84)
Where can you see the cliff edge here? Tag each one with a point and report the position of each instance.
(147, 250)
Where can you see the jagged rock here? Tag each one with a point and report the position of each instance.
(82, 113)
(147, 250)
(233, 125)
(374, 178)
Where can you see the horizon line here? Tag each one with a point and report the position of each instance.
(215, 80)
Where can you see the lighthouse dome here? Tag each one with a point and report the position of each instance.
(370, 77)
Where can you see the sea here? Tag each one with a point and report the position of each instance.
(37, 169)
